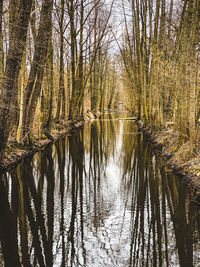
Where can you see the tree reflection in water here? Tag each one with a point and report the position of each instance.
(97, 198)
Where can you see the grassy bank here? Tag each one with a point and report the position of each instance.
(177, 157)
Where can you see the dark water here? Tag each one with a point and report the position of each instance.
(97, 198)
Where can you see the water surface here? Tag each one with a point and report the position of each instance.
(97, 198)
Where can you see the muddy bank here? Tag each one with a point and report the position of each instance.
(177, 158)
(15, 152)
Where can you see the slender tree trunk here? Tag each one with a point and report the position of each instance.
(170, 19)
(80, 64)
(61, 90)
(156, 21)
(47, 128)
(33, 22)
(21, 95)
(68, 87)
(162, 24)
(94, 93)
(73, 101)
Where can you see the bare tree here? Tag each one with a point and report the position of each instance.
(34, 84)
(13, 62)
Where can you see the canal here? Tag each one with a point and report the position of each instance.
(98, 197)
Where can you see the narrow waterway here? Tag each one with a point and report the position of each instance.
(98, 197)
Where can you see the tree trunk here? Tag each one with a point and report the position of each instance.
(80, 63)
(13, 63)
(1, 44)
(47, 128)
(21, 95)
(34, 84)
(61, 89)
(193, 72)
(170, 19)
(94, 92)
(73, 100)
(47, 94)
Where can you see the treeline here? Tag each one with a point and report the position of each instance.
(54, 63)
(160, 53)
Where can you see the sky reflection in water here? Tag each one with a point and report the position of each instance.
(97, 198)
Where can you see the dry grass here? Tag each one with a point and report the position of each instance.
(179, 155)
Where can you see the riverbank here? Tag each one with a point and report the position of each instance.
(15, 152)
(177, 158)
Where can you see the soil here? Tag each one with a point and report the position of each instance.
(175, 156)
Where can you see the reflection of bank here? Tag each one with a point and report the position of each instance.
(97, 197)
(162, 224)
(8, 229)
(28, 220)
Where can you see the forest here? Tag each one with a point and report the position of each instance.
(61, 58)
(126, 73)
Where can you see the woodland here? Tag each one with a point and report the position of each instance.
(61, 58)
